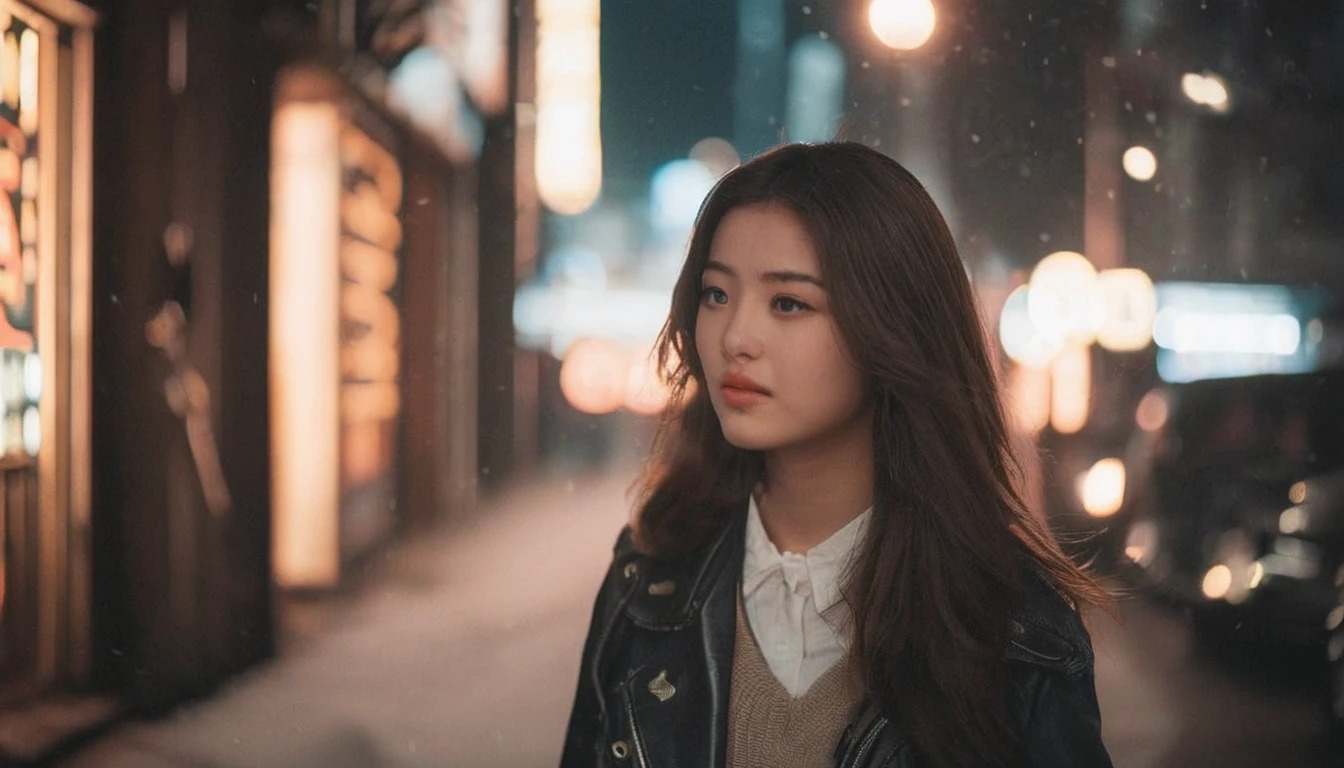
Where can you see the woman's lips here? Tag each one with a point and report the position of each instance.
(740, 397)
(740, 391)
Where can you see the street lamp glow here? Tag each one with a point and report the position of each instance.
(568, 162)
(594, 375)
(1140, 163)
(902, 24)
(1063, 297)
(1217, 582)
(1103, 488)
(1209, 90)
(1026, 342)
(1131, 304)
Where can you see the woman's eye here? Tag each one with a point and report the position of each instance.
(712, 295)
(789, 306)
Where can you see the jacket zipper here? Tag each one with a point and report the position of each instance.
(868, 741)
(640, 757)
(595, 672)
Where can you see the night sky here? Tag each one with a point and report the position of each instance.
(1013, 109)
(667, 79)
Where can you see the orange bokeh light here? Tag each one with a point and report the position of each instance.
(594, 375)
(646, 392)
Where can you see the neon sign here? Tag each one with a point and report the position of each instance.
(370, 359)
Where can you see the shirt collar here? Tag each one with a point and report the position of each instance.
(819, 570)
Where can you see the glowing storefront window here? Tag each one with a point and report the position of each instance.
(20, 212)
(336, 325)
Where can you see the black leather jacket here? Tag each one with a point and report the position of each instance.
(654, 681)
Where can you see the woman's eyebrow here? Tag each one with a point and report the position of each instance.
(773, 276)
(787, 276)
(719, 266)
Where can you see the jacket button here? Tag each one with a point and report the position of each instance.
(620, 750)
(630, 570)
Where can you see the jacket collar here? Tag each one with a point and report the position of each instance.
(1048, 630)
(668, 595)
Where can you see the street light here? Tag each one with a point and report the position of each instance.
(1063, 297)
(1140, 163)
(902, 24)
(1207, 89)
(568, 154)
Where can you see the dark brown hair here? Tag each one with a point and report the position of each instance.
(940, 573)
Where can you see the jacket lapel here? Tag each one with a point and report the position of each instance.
(677, 701)
(718, 635)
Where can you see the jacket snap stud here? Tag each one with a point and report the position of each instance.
(630, 570)
(620, 750)
(659, 687)
(662, 588)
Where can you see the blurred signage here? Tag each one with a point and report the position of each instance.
(370, 239)
(336, 238)
(568, 162)
(443, 64)
(389, 29)
(21, 171)
(370, 322)
(1222, 330)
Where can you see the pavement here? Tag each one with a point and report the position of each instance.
(465, 652)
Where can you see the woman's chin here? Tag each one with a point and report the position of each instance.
(748, 440)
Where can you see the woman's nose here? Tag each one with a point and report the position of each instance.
(741, 337)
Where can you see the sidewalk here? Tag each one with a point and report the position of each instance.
(466, 655)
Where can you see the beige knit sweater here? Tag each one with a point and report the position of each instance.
(767, 728)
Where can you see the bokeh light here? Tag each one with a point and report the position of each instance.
(1023, 341)
(1151, 415)
(32, 377)
(1207, 90)
(1141, 543)
(902, 24)
(594, 375)
(1217, 582)
(646, 392)
(1103, 488)
(1130, 304)
(1297, 493)
(569, 89)
(716, 154)
(1064, 297)
(678, 189)
(1140, 163)
(1071, 389)
(1292, 520)
(1231, 332)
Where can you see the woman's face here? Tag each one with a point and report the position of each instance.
(775, 366)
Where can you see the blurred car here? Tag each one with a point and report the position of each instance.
(1235, 504)
(1331, 495)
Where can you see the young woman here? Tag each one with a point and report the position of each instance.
(831, 564)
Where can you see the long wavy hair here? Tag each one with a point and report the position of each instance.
(936, 581)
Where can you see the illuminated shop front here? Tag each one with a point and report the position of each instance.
(336, 328)
(45, 173)
(382, 182)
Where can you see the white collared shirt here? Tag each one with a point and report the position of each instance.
(793, 603)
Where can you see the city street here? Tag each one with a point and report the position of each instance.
(462, 650)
